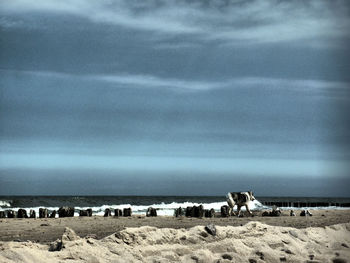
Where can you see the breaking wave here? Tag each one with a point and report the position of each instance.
(4, 203)
(165, 205)
(162, 208)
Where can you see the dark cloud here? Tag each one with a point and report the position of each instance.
(193, 80)
(244, 112)
(228, 21)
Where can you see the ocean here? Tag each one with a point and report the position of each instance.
(165, 205)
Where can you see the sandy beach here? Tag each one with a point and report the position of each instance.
(324, 237)
(47, 229)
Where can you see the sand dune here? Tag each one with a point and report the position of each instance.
(253, 242)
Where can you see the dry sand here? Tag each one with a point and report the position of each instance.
(260, 239)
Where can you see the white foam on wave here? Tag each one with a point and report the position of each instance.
(164, 209)
(4, 203)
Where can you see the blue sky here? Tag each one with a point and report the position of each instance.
(163, 93)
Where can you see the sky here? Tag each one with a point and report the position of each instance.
(173, 97)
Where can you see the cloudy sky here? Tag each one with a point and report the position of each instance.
(174, 97)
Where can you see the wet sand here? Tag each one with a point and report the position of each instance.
(50, 229)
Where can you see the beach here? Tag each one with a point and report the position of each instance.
(322, 237)
(45, 230)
